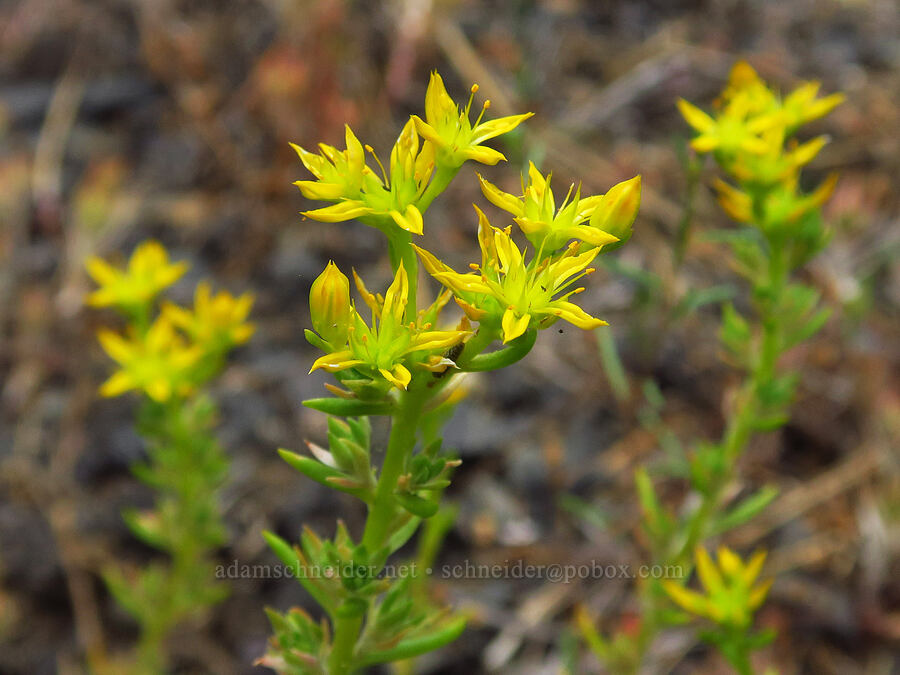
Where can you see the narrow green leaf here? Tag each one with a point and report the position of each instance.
(346, 407)
(408, 649)
(746, 510)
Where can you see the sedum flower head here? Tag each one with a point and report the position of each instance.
(752, 123)
(504, 290)
(358, 192)
(217, 323)
(160, 362)
(453, 134)
(147, 274)
(390, 344)
(731, 594)
(549, 228)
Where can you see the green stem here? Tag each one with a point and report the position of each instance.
(400, 445)
(442, 177)
(737, 434)
(346, 631)
(516, 351)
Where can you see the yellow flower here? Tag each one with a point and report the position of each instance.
(753, 122)
(505, 291)
(160, 362)
(733, 130)
(453, 134)
(217, 322)
(547, 227)
(344, 178)
(780, 207)
(386, 348)
(148, 273)
(731, 594)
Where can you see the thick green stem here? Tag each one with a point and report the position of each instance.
(400, 445)
(346, 632)
(442, 177)
(472, 359)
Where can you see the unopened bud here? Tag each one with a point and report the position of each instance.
(617, 210)
(329, 305)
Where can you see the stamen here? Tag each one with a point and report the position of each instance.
(369, 148)
(484, 106)
(474, 266)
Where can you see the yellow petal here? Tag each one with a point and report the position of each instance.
(569, 311)
(497, 197)
(115, 345)
(313, 189)
(346, 210)
(706, 570)
(398, 376)
(118, 384)
(501, 125)
(758, 595)
(730, 562)
(428, 132)
(705, 143)
(514, 326)
(336, 361)
(102, 272)
(483, 155)
(397, 295)
(687, 599)
(695, 117)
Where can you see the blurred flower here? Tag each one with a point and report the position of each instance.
(217, 322)
(547, 227)
(451, 131)
(387, 346)
(159, 362)
(781, 206)
(504, 290)
(731, 594)
(148, 273)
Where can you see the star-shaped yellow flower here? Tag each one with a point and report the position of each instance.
(388, 346)
(217, 322)
(549, 228)
(160, 362)
(731, 594)
(344, 177)
(506, 291)
(148, 273)
(452, 132)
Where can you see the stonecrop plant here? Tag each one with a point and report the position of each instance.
(752, 136)
(168, 355)
(391, 356)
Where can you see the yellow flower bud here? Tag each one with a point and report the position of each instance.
(329, 305)
(617, 210)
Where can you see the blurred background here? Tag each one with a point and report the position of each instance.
(122, 120)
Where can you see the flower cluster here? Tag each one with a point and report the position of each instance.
(399, 197)
(731, 594)
(506, 295)
(390, 344)
(180, 349)
(751, 135)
